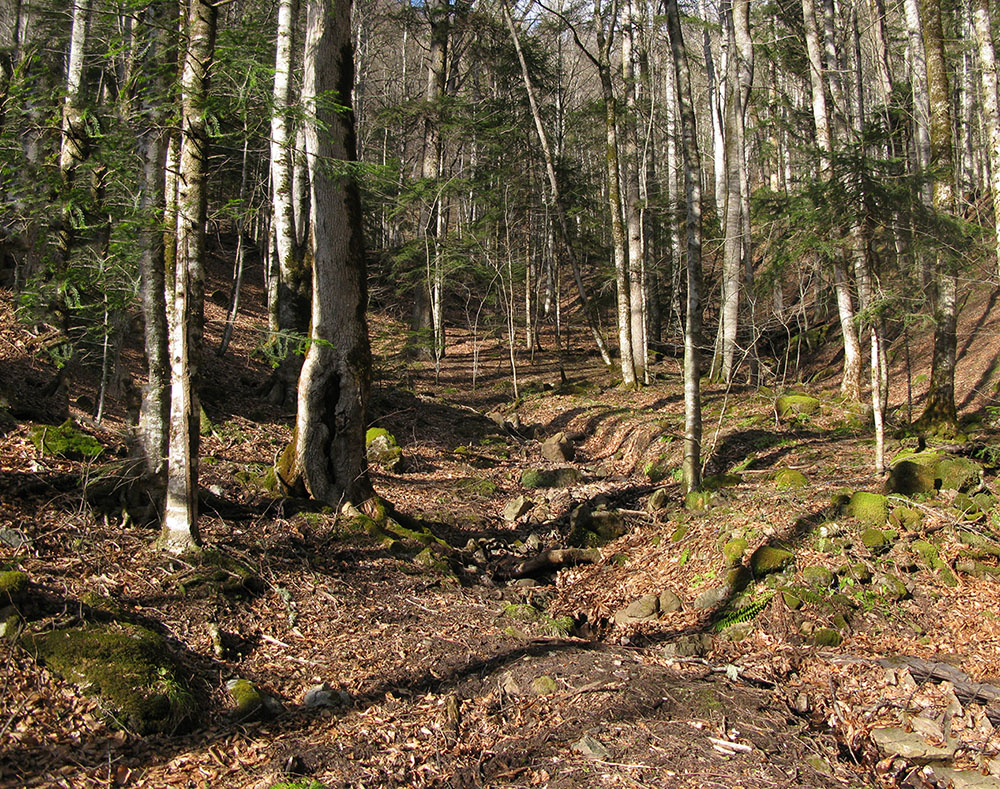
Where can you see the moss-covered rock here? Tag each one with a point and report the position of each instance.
(792, 406)
(433, 561)
(550, 477)
(875, 540)
(522, 612)
(766, 560)
(128, 666)
(931, 557)
(905, 518)
(258, 477)
(383, 450)
(698, 500)
(719, 481)
(923, 472)
(544, 686)
(658, 500)
(733, 551)
(13, 587)
(65, 440)
(252, 703)
(980, 543)
(891, 587)
(790, 479)
(827, 637)
(856, 571)
(871, 509)
(818, 576)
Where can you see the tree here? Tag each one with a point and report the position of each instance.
(991, 105)
(329, 449)
(692, 190)
(939, 412)
(185, 307)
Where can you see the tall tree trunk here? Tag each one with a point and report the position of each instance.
(939, 412)
(850, 385)
(180, 522)
(921, 122)
(335, 381)
(991, 105)
(154, 413)
(562, 222)
(692, 189)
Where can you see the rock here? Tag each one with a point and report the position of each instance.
(594, 529)
(698, 500)
(733, 551)
(891, 587)
(910, 745)
(827, 637)
(788, 479)
(669, 602)
(905, 518)
(688, 646)
(591, 748)
(13, 587)
(964, 779)
(14, 539)
(924, 472)
(544, 686)
(516, 508)
(737, 580)
(980, 543)
(766, 560)
(819, 764)
(431, 561)
(869, 508)
(857, 572)
(875, 540)
(65, 440)
(550, 478)
(129, 667)
(791, 600)
(324, 696)
(710, 598)
(658, 500)
(251, 701)
(532, 543)
(645, 609)
(818, 576)
(795, 405)
(382, 449)
(558, 449)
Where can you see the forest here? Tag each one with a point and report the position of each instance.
(463, 393)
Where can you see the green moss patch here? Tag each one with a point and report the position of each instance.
(924, 472)
(13, 587)
(871, 509)
(766, 560)
(127, 666)
(65, 440)
(383, 449)
(790, 479)
(793, 406)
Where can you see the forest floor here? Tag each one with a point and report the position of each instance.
(858, 665)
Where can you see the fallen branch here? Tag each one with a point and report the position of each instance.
(552, 559)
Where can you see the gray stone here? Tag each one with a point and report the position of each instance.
(688, 646)
(659, 500)
(14, 539)
(644, 609)
(591, 748)
(558, 448)
(533, 543)
(710, 598)
(910, 745)
(964, 779)
(516, 508)
(817, 576)
(321, 696)
(669, 602)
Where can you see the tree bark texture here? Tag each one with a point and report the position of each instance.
(335, 380)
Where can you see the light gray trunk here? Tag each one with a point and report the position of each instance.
(991, 106)
(335, 380)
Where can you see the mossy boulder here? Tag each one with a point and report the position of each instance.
(767, 559)
(383, 450)
(790, 479)
(13, 587)
(658, 500)
(256, 476)
(698, 500)
(891, 587)
(251, 703)
(905, 518)
(923, 472)
(827, 637)
(65, 440)
(129, 667)
(875, 540)
(432, 561)
(719, 481)
(871, 509)
(564, 477)
(818, 576)
(931, 557)
(981, 543)
(733, 551)
(793, 406)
